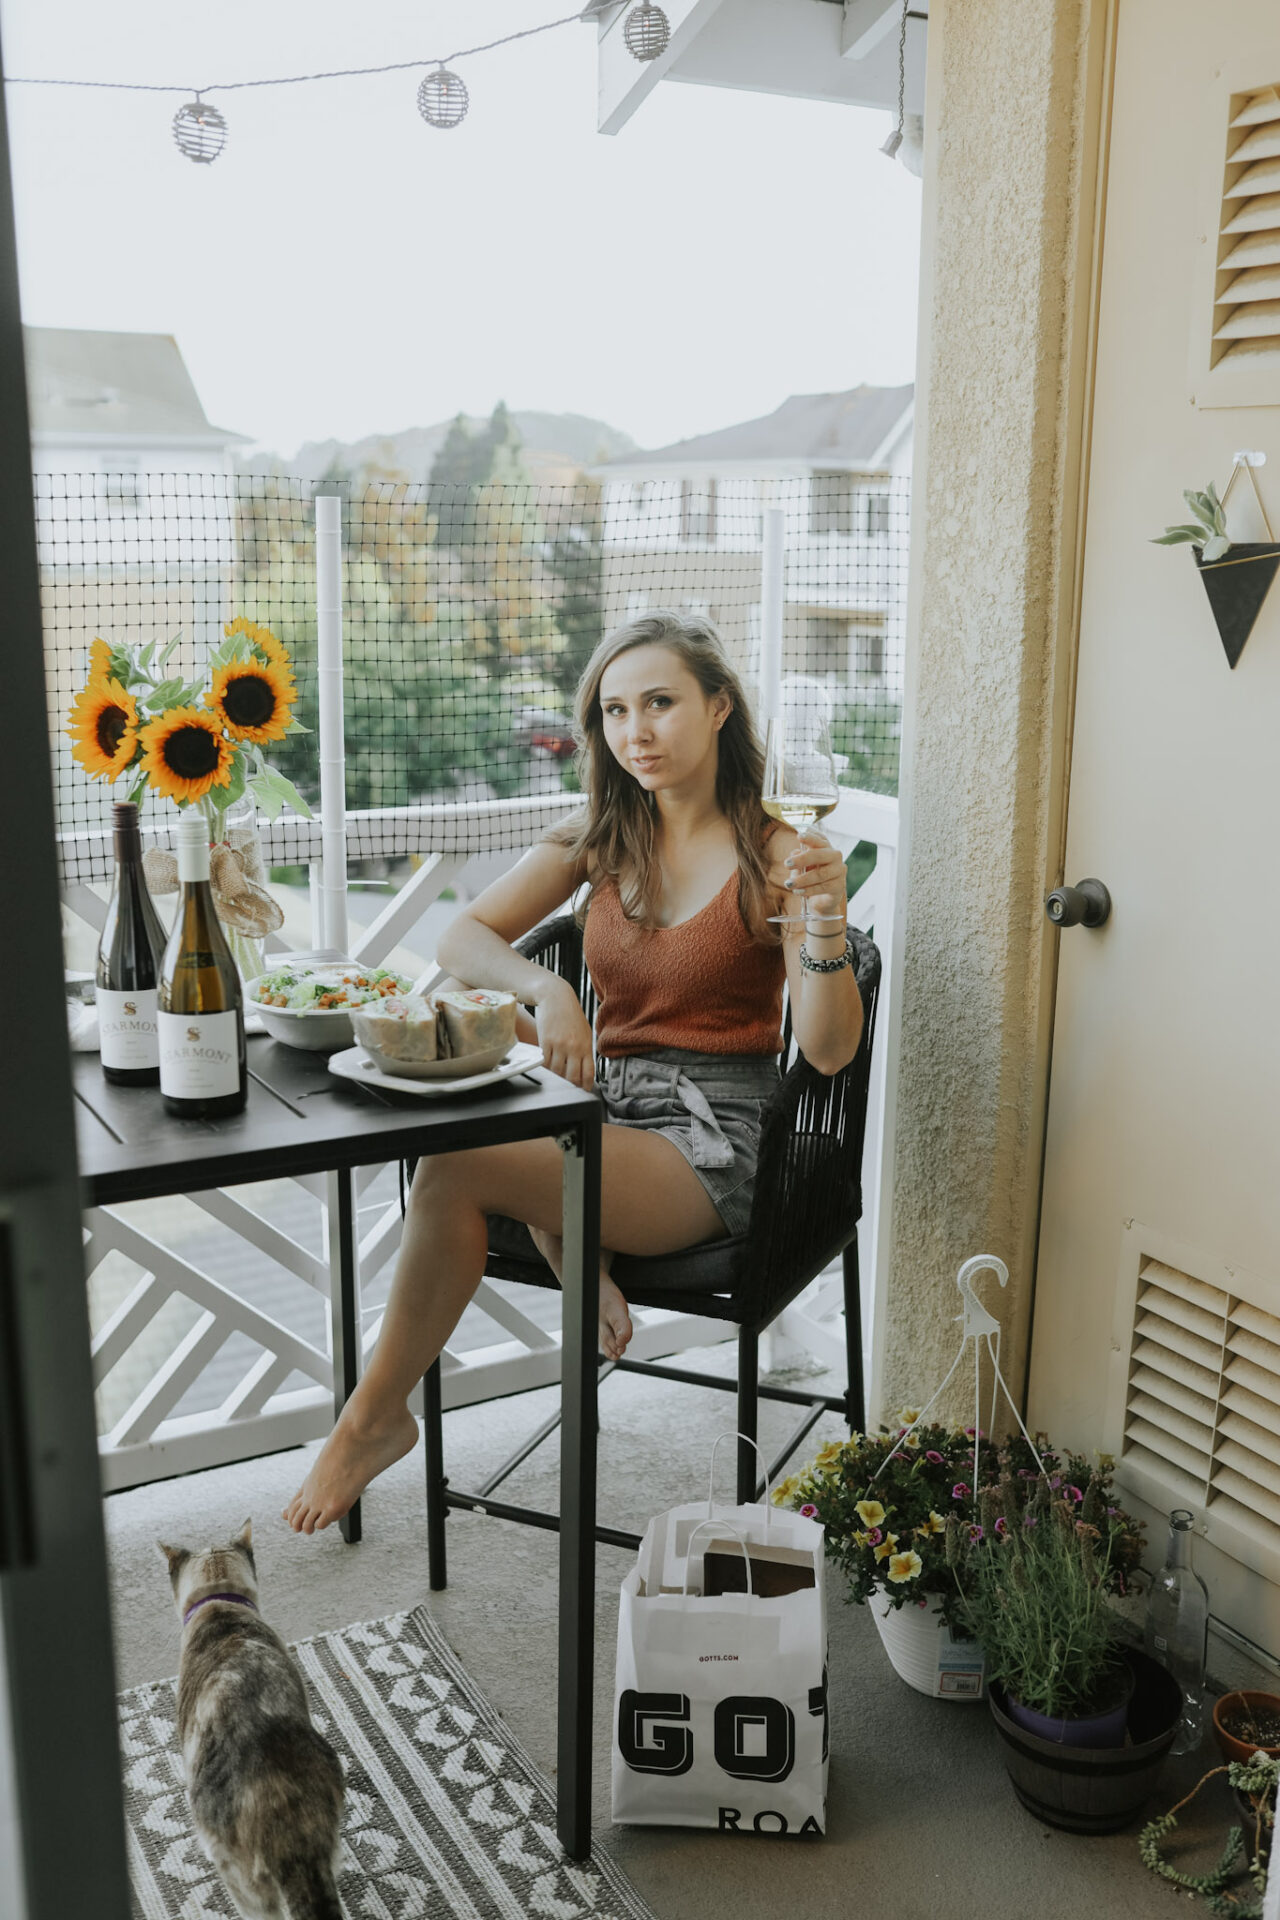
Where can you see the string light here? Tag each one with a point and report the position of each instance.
(646, 31)
(200, 131)
(443, 99)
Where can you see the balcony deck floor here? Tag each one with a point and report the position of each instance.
(921, 1819)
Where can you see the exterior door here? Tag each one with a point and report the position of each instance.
(61, 1826)
(1157, 1315)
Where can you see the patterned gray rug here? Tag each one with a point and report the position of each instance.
(446, 1815)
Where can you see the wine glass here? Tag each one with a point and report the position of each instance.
(800, 785)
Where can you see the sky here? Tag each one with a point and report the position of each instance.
(344, 269)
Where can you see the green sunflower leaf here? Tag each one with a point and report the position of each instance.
(283, 790)
(144, 658)
(268, 799)
(296, 726)
(167, 694)
(224, 797)
(163, 661)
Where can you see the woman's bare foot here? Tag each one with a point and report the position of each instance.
(352, 1456)
(615, 1320)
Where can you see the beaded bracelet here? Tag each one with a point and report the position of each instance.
(809, 965)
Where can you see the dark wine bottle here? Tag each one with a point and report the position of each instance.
(128, 964)
(203, 1074)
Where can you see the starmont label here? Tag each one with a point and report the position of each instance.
(127, 1028)
(199, 1055)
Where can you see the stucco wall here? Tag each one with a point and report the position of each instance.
(1012, 120)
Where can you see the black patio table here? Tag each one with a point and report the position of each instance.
(302, 1119)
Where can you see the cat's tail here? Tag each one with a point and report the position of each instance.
(309, 1890)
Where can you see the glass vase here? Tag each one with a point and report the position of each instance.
(238, 827)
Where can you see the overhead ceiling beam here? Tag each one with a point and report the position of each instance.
(866, 22)
(623, 80)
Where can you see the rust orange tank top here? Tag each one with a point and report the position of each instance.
(703, 984)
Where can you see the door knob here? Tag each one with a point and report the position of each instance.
(1087, 904)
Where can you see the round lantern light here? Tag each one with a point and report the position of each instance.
(200, 131)
(443, 99)
(646, 31)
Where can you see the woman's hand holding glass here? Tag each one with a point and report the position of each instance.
(814, 872)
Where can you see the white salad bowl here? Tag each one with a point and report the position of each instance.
(313, 1029)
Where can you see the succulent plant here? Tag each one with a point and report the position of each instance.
(1209, 532)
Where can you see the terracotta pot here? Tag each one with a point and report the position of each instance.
(925, 1653)
(1231, 1746)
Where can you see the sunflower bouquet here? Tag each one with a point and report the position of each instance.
(904, 1509)
(198, 741)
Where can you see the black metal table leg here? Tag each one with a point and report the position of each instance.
(344, 1308)
(855, 1401)
(581, 1151)
(437, 1507)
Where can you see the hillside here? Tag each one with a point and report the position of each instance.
(555, 446)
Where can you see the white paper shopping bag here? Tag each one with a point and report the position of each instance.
(720, 1699)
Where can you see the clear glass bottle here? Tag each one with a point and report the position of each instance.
(1178, 1627)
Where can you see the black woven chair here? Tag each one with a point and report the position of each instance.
(805, 1210)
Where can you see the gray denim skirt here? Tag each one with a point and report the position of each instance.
(709, 1105)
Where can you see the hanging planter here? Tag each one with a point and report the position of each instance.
(925, 1653)
(1237, 574)
(1237, 586)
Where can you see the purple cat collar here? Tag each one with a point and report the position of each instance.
(239, 1599)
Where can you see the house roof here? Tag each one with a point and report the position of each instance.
(840, 430)
(116, 386)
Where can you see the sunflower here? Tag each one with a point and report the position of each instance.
(263, 641)
(185, 752)
(103, 725)
(253, 702)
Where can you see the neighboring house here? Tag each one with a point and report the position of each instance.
(682, 526)
(133, 489)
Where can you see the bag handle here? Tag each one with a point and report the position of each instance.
(729, 1434)
(728, 1527)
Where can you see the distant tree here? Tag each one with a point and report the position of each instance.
(467, 461)
(574, 561)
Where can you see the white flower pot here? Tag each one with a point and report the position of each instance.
(923, 1651)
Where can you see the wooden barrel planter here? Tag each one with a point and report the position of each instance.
(1094, 1789)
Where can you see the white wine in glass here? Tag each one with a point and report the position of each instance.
(800, 785)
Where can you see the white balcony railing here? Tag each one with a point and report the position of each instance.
(209, 1314)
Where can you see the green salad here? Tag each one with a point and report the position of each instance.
(318, 989)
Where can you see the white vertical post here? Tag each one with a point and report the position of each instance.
(772, 599)
(333, 760)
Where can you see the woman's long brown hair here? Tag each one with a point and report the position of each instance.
(615, 831)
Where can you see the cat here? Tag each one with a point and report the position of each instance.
(266, 1789)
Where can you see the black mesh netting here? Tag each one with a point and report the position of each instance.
(468, 615)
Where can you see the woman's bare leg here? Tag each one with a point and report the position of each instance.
(615, 1319)
(441, 1263)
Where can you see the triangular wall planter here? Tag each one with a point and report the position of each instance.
(1237, 585)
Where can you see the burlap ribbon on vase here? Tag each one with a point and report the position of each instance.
(235, 877)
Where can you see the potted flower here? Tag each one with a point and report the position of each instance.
(1086, 1722)
(887, 1501)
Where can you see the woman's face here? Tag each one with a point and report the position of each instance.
(658, 723)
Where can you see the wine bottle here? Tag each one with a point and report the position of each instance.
(1178, 1626)
(128, 963)
(203, 1073)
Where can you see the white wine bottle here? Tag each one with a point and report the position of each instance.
(203, 1073)
(128, 963)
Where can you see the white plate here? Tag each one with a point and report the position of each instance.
(356, 1065)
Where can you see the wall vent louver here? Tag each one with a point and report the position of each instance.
(1246, 311)
(1202, 1403)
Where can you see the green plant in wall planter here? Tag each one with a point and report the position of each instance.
(1237, 575)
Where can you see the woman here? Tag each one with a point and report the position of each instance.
(684, 869)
